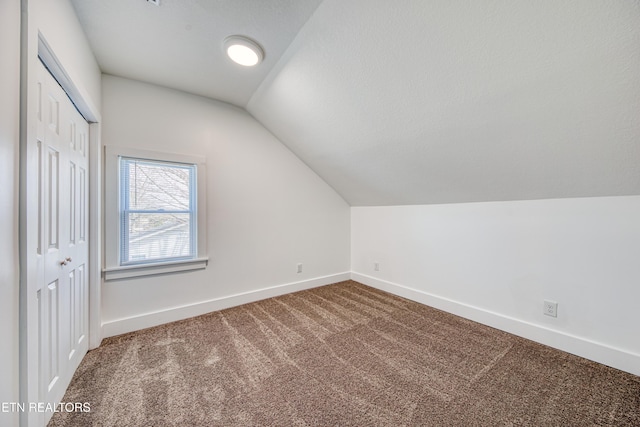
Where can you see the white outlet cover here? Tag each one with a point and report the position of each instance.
(550, 308)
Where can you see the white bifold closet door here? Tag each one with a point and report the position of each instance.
(63, 297)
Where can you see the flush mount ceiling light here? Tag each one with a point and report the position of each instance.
(243, 50)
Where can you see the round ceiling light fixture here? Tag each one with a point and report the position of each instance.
(243, 50)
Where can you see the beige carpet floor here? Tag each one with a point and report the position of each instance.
(342, 355)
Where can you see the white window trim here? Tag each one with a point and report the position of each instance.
(113, 269)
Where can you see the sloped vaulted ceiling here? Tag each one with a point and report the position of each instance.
(438, 101)
(179, 44)
(411, 101)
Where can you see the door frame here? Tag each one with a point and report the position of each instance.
(92, 116)
(34, 47)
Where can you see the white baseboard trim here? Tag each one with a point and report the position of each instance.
(147, 320)
(579, 346)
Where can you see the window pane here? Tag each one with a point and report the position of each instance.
(158, 235)
(158, 186)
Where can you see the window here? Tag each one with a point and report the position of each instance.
(157, 211)
(155, 220)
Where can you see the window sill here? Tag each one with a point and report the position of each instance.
(129, 271)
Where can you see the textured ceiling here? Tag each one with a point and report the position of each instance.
(411, 101)
(416, 102)
(179, 43)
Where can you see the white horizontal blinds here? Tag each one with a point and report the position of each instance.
(157, 211)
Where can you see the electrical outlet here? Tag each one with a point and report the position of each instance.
(300, 267)
(376, 266)
(550, 308)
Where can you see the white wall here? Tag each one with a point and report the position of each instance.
(56, 20)
(267, 211)
(9, 143)
(497, 262)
